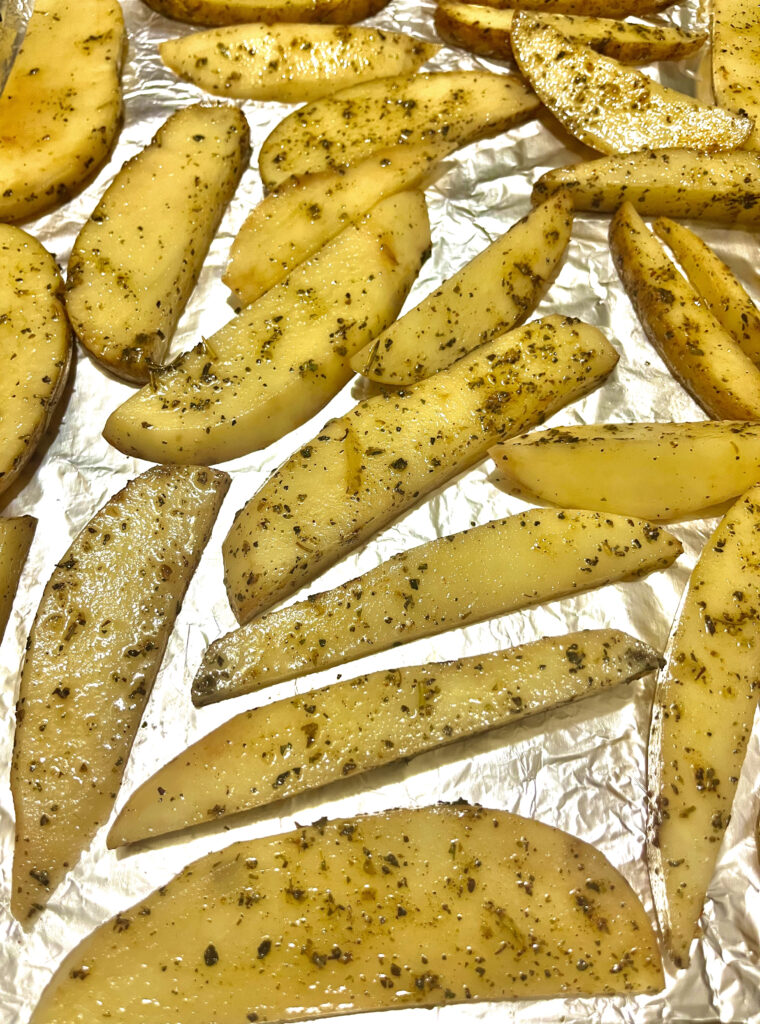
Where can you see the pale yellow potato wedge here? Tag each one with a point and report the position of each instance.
(735, 38)
(659, 471)
(611, 108)
(697, 350)
(136, 260)
(35, 347)
(61, 106)
(285, 356)
(704, 706)
(487, 30)
(304, 742)
(726, 297)
(722, 187)
(588, 8)
(16, 537)
(93, 654)
(457, 106)
(291, 63)
(365, 468)
(494, 292)
(300, 216)
(500, 567)
(237, 12)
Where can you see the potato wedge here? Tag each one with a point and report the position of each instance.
(291, 63)
(237, 12)
(735, 34)
(16, 537)
(458, 106)
(136, 260)
(35, 347)
(61, 106)
(723, 187)
(300, 216)
(93, 653)
(659, 471)
(304, 742)
(486, 31)
(365, 468)
(500, 567)
(612, 108)
(726, 298)
(283, 358)
(697, 350)
(588, 8)
(704, 706)
(494, 292)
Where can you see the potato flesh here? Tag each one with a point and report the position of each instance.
(457, 106)
(698, 351)
(15, 540)
(491, 570)
(35, 347)
(611, 108)
(136, 260)
(235, 12)
(277, 363)
(735, 34)
(93, 653)
(365, 468)
(704, 707)
(61, 105)
(291, 64)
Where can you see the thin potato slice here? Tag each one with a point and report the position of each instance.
(660, 471)
(61, 106)
(589, 8)
(704, 706)
(35, 347)
(15, 540)
(697, 350)
(93, 653)
(291, 63)
(365, 468)
(238, 12)
(136, 260)
(490, 570)
(735, 35)
(285, 356)
(492, 293)
(456, 106)
(611, 108)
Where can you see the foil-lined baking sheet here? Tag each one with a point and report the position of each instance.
(581, 768)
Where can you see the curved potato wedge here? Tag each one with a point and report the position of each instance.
(35, 347)
(285, 356)
(457, 106)
(16, 537)
(61, 106)
(93, 654)
(588, 8)
(136, 260)
(611, 108)
(237, 12)
(735, 36)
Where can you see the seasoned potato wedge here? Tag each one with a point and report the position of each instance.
(15, 540)
(363, 723)
(238, 12)
(487, 30)
(300, 216)
(660, 471)
(458, 106)
(588, 8)
(458, 903)
(35, 347)
(492, 293)
(136, 260)
(365, 468)
(611, 108)
(698, 351)
(61, 106)
(735, 36)
(285, 356)
(704, 706)
(92, 656)
(500, 567)
(291, 63)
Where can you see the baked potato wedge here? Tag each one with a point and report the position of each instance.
(587, 8)
(494, 292)
(365, 468)
(284, 357)
(93, 653)
(238, 12)
(16, 537)
(61, 106)
(735, 38)
(35, 347)
(457, 106)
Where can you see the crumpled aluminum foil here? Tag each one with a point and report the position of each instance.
(581, 768)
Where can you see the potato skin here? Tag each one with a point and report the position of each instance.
(236, 12)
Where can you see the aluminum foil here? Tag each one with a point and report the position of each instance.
(581, 768)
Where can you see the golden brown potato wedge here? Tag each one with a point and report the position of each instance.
(735, 37)
(588, 8)
(15, 540)
(237, 12)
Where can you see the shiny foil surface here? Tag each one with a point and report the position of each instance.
(581, 768)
